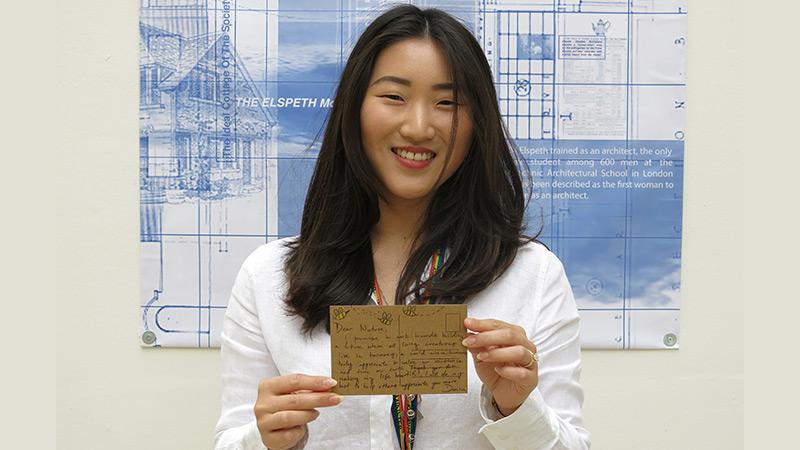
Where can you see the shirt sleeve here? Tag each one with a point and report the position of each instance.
(245, 361)
(550, 418)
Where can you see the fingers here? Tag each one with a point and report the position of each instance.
(288, 419)
(486, 324)
(284, 438)
(514, 373)
(296, 382)
(285, 404)
(299, 401)
(503, 337)
(500, 343)
(516, 355)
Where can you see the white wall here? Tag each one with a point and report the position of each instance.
(113, 394)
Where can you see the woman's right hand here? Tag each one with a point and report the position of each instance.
(286, 404)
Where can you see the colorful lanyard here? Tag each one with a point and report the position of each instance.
(404, 406)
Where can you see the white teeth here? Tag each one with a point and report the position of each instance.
(413, 156)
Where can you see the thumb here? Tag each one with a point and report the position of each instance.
(475, 352)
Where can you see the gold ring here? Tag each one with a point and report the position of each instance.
(534, 359)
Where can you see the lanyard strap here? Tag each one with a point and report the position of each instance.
(404, 406)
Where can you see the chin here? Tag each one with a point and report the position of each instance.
(409, 196)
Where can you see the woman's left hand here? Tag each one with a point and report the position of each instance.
(504, 360)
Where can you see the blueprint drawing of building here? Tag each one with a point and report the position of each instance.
(234, 94)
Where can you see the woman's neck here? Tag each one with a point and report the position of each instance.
(393, 242)
(399, 224)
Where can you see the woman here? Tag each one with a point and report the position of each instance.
(414, 167)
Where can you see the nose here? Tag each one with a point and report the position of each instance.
(417, 126)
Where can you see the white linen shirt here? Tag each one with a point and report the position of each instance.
(259, 340)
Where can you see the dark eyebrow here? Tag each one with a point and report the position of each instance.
(404, 82)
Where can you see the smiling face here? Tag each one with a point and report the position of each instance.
(407, 118)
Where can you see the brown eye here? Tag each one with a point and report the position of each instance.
(393, 97)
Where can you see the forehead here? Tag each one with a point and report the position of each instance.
(418, 60)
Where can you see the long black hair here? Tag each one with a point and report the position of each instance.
(477, 213)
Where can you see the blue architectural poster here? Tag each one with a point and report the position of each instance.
(233, 95)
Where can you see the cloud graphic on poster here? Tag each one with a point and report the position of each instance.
(664, 291)
(306, 58)
(293, 59)
(297, 145)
